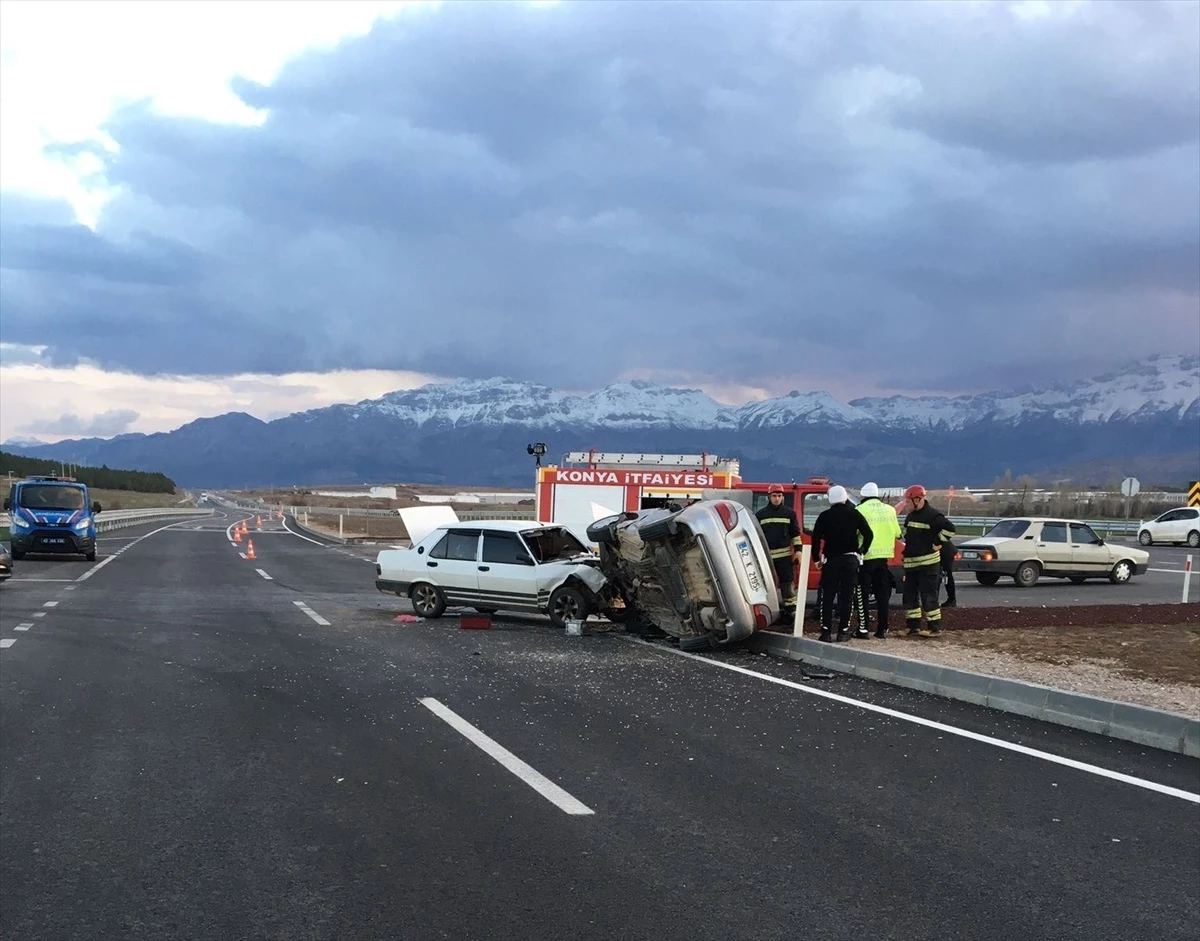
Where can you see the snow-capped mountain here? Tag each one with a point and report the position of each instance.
(475, 432)
(1163, 386)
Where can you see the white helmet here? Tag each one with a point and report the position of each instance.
(870, 489)
(837, 494)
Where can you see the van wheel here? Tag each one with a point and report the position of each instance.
(568, 603)
(427, 600)
(1027, 575)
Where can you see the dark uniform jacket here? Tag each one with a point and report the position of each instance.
(840, 530)
(925, 532)
(782, 530)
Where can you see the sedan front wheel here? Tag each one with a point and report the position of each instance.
(1121, 573)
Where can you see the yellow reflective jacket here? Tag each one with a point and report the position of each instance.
(885, 528)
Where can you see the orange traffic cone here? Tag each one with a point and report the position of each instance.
(237, 535)
(258, 522)
(250, 549)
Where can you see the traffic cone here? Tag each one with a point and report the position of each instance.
(250, 549)
(258, 522)
(237, 535)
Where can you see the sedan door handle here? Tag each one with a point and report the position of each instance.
(432, 565)
(485, 568)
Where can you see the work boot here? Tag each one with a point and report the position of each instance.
(842, 635)
(950, 603)
(914, 627)
(825, 636)
(861, 632)
(881, 634)
(931, 632)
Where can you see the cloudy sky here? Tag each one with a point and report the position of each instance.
(270, 207)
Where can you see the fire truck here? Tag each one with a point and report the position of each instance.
(589, 485)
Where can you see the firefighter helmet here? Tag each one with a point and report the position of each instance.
(775, 488)
(915, 492)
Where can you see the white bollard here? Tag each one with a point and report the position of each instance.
(341, 517)
(1187, 578)
(802, 591)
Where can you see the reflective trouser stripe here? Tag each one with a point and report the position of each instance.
(934, 615)
(784, 553)
(913, 614)
(916, 561)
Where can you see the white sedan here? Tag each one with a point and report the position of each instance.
(1179, 526)
(494, 565)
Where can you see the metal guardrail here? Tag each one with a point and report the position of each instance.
(119, 519)
(1102, 527)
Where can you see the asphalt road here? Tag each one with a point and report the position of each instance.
(199, 745)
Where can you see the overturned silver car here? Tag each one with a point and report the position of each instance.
(702, 573)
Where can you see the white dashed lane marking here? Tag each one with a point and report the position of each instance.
(8, 641)
(50, 604)
(24, 627)
(311, 613)
(264, 574)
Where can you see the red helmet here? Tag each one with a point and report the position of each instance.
(775, 488)
(915, 492)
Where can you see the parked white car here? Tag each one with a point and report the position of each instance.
(494, 565)
(1179, 526)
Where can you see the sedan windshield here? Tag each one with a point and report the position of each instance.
(47, 497)
(553, 543)
(1007, 529)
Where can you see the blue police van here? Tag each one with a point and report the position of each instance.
(51, 515)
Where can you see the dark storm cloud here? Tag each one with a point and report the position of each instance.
(751, 193)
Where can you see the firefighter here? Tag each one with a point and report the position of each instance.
(926, 531)
(782, 529)
(876, 578)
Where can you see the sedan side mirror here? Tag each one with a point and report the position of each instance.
(96, 508)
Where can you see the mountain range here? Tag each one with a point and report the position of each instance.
(1142, 420)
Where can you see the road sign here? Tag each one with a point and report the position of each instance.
(1194, 493)
(1131, 486)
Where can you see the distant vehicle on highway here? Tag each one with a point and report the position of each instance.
(702, 573)
(51, 515)
(1028, 547)
(1180, 526)
(498, 565)
(6, 564)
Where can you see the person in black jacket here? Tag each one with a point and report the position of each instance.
(840, 537)
(949, 551)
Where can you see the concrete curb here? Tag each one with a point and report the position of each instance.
(1151, 727)
(315, 533)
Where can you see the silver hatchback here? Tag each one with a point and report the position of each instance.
(702, 574)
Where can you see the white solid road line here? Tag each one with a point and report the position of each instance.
(264, 574)
(302, 536)
(940, 726)
(8, 641)
(1191, 574)
(539, 782)
(96, 568)
(311, 613)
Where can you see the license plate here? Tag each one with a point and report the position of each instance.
(54, 541)
(967, 554)
(750, 564)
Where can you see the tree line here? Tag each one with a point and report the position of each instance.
(100, 478)
(1021, 497)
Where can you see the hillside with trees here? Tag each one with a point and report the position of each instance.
(98, 478)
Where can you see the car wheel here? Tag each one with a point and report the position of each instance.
(1194, 539)
(568, 603)
(987, 578)
(1027, 575)
(1078, 579)
(693, 644)
(1121, 573)
(1145, 538)
(427, 600)
(659, 529)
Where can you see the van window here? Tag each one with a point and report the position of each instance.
(45, 497)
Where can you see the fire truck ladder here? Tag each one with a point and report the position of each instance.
(599, 460)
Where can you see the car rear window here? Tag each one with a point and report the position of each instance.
(1008, 529)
